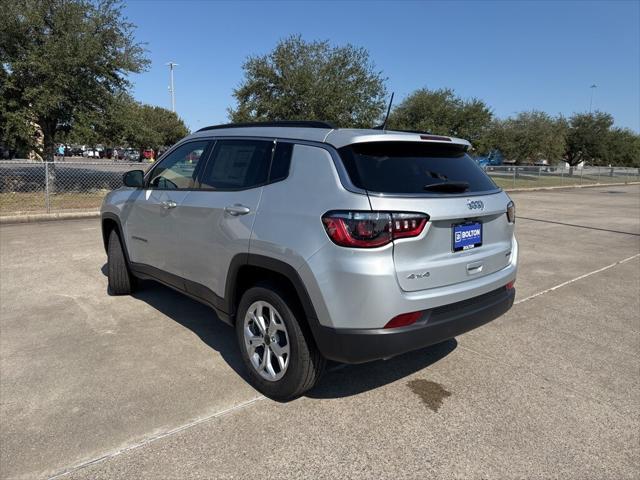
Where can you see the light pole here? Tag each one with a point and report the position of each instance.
(171, 87)
(592, 87)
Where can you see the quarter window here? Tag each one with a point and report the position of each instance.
(281, 162)
(237, 165)
(178, 170)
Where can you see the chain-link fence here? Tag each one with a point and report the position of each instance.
(42, 187)
(47, 187)
(551, 176)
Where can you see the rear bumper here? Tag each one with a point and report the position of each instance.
(437, 325)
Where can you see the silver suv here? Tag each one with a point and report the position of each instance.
(318, 243)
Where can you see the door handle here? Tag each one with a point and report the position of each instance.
(236, 210)
(169, 204)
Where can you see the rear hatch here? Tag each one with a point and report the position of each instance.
(468, 234)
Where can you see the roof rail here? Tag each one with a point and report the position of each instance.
(277, 123)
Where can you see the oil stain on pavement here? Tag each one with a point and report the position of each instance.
(432, 394)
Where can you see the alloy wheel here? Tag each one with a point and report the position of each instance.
(266, 340)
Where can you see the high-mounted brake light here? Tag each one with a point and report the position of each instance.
(435, 137)
(372, 229)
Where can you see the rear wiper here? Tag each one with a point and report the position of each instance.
(447, 187)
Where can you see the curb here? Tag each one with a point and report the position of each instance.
(561, 187)
(46, 217)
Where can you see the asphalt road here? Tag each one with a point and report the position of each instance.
(150, 386)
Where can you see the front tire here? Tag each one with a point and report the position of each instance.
(121, 281)
(282, 362)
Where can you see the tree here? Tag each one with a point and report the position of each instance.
(623, 148)
(17, 134)
(62, 59)
(302, 80)
(166, 126)
(127, 122)
(588, 138)
(530, 136)
(443, 113)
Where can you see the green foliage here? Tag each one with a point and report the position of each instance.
(302, 80)
(531, 136)
(623, 148)
(17, 133)
(62, 59)
(588, 138)
(525, 138)
(443, 113)
(127, 122)
(165, 126)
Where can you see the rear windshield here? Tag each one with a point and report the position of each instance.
(412, 167)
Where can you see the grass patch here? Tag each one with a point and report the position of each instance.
(16, 203)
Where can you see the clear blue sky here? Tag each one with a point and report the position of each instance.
(513, 55)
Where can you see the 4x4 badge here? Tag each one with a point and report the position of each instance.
(418, 275)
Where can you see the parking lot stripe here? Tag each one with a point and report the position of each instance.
(560, 285)
(168, 433)
(154, 438)
(577, 226)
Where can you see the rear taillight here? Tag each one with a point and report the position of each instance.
(408, 224)
(403, 320)
(358, 229)
(511, 212)
(372, 229)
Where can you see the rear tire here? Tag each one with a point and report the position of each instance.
(282, 332)
(121, 282)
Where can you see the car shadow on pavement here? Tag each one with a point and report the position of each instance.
(195, 316)
(339, 380)
(346, 380)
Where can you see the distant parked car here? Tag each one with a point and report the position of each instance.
(114, 153)
(92, 153)
(75, 151)
(131, 155)
(493, 159)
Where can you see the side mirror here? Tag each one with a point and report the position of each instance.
(133, 178)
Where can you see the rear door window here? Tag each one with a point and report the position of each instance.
(414, 168)
(237, 165)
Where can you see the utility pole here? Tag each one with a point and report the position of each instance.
(171, 86)
(592, 87)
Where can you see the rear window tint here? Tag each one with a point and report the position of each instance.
(237, 165)
(281, 162)
(410, 167)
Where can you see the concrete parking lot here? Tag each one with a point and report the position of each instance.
(150, 386)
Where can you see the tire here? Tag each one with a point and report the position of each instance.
(121, 282)
(304, 364)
